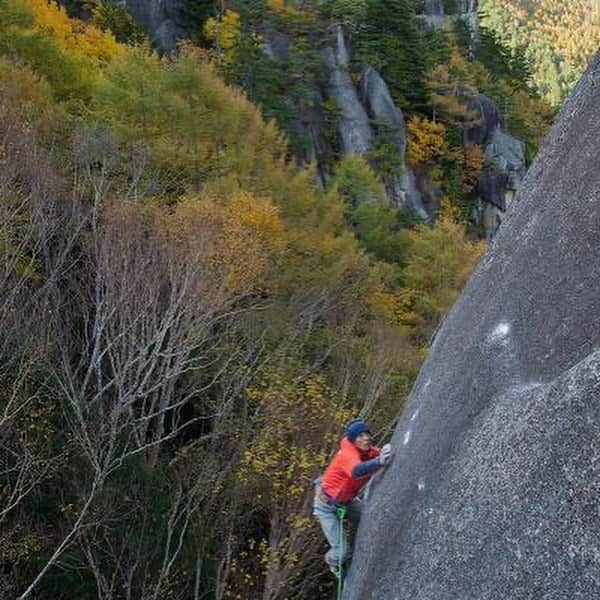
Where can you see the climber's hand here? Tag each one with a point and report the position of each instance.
(386, 454)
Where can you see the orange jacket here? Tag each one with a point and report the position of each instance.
(337, 481)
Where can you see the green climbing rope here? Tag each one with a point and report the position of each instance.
(341, 511)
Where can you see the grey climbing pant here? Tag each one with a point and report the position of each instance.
(328, 517)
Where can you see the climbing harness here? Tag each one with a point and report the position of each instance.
(341, 512)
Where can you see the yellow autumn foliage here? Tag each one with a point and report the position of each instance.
(449, 86)
(22, 87)
(426, 141)
(383, 304)
(472, 166)
(219, 250)
(282, 6)
(74, 35)
(571, 28)
(300, 420)
(238, 238)
(224, 32)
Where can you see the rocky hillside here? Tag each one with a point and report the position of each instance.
(346, 93)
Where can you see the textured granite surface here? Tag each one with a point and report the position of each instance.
(495, 489)
(354, 127)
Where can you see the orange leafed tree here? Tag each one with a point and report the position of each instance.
(426, 141)
(472, 166)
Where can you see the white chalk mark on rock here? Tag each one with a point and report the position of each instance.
(406, 437)
(412, 419)
(421, 485)
(500, 332)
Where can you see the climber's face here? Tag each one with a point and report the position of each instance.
(363, 441)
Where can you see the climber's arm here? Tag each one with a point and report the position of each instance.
(368, 467)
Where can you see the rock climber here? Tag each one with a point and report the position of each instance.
(357, 460)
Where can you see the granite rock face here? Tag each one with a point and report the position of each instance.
(429, 7)
(485, 120)
(401, 188)
(504, 163)
(493, 492)
(432, 13)
(363, 108)
(468, 10)
(161, 18)
(505, 151)
(504, 169)
(381, 108)
(364, 114)
(354, 127)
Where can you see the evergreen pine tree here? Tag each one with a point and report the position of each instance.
(194, 13)
(391, 43)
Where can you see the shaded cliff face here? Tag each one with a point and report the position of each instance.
(493, 493)
(161, 18)
(360, 111)
(354, 126)
(434, 13)
(504, 164)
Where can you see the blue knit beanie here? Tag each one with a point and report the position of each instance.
(355, 428)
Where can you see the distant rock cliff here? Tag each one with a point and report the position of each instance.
(504, 164)
(366, 109)
(493, 493)
(363, 110)
(354, 127)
